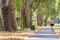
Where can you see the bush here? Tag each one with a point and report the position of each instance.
(22, 28)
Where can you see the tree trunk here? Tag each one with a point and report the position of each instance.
(39, 20)
(24, 16)
(1, 20)
(45, 21)
(24, 13)
(2, 28)
(27, 17)
(8, 15)
(29, 12)
(29, 20)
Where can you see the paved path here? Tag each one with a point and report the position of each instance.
(45, 34)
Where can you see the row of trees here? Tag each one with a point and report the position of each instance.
(43, 8)
(23, 10)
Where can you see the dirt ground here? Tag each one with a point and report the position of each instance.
(19, 35)
(57, 30)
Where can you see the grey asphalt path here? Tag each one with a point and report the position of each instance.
(45, 34)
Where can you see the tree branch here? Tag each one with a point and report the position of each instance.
(37, 5)
(7, 3)
(0, 3)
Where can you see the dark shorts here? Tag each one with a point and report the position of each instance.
(52, 24)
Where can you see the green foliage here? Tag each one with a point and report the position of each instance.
(22, 28)
(35, 5)
(18, 5)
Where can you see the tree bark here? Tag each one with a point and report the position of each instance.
(24, 15)
(2, 28)
(29, 14)
(39, 20)
(29, 20)
(8, 14)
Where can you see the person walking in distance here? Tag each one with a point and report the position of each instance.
(52, 23)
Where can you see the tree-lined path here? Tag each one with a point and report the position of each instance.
(26, 15)
(45, 34)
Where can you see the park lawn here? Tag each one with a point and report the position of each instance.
(20, 35)
(57, 30)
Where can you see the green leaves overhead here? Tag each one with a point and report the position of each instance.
(46, 6)
(18, 5)
(35, 5)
